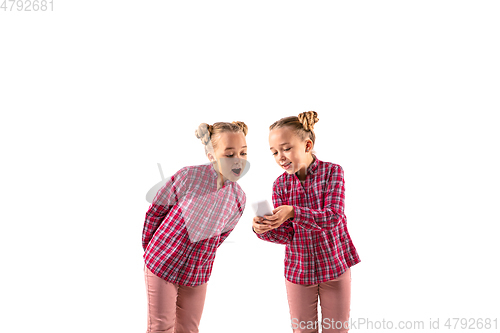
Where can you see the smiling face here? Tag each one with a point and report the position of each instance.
(289, 152)
(231, 155)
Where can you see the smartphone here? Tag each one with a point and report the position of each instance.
(262, 208)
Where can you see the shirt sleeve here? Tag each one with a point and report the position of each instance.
(332, 213)
(165, 199)
(233, 221)
(284, 233)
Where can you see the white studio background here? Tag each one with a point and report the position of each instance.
(94, 94)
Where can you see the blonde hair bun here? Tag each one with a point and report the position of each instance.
(242, 125)
(308, 119)
(203, 132)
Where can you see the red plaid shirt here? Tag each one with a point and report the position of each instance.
(187, 221)
(318, 245)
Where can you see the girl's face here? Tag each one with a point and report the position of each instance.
(289, 152)
(231, 155)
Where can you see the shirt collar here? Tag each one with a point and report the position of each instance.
(311, 169)
(215, 174)
(313, 166)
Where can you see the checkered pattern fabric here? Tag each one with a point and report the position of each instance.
(186, 223)
(318, 245)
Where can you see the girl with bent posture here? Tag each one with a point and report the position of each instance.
(190, 216)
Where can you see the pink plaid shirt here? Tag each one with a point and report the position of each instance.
(318, 245)
(187, 221)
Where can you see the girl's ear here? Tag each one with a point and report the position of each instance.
(308, 145)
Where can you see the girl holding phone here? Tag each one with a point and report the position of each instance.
(309, 219)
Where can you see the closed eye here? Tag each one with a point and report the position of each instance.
(283, 149)
(233, 155)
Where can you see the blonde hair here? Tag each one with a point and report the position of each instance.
(302, 125)
(210, 134)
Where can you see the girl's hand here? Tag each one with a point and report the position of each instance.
(280, 215)
(261, 227)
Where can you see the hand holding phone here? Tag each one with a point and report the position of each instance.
(262, 208)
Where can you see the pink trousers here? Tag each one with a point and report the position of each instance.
(335, 301)
(173, 308)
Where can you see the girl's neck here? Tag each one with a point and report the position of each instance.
(220, 180)
(302, 176)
